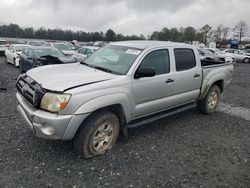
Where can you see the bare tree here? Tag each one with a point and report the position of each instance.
(241, 29)
(225, 32)
(206, 31)
(217, 34)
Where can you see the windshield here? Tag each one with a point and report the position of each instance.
(117, 59)
(64, 47)
(52, 52)
(20, 48)
(219, 52)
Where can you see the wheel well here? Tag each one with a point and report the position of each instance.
(220, 84)
(116, 109)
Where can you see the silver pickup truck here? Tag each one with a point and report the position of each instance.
(123, 84)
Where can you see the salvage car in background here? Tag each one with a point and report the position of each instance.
(240, 56)
(65, 47)
(84, 52)
(3, 47)
(207, 55)
(223, 56)
(13, 53)
(39, 56)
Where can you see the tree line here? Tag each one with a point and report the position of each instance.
(15, 31)
(187, 34)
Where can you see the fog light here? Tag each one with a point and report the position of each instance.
(47, 129)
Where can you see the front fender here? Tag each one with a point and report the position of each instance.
(107, 100)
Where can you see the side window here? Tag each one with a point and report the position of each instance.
(158, 60)
(30, 54)
(25, 51)
(11, 47)
(82, 51)
(184, 59)
(88, 52)
(48, 44)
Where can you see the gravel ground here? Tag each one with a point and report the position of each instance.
(185, 150)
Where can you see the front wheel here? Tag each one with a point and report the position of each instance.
(210, 103)
(246, 60)
(97, 135)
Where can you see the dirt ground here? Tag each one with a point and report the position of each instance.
(185, 150)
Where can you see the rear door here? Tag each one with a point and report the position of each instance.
(187, 76)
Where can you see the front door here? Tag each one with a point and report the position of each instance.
(150, 93)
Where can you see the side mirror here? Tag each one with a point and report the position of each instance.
(144, 72)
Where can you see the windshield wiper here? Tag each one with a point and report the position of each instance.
(102, 68)
(105, 70)
(99, 68)
(84, 63)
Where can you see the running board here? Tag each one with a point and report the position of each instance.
(160, 115)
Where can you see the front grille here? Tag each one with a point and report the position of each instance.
(30, 90)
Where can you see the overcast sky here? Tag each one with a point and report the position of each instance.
(123, 16)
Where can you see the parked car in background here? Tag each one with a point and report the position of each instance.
(3, 47)
(13, 53)
(36, 43)
(240, 56)
(39, 56)
(247, 51)
(223, 56)
(66, 47)
(83, 53)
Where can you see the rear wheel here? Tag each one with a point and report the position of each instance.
(246, 60)
(210, 103)
(97, 135)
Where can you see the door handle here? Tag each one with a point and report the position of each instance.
(197, 75)
(169, 80)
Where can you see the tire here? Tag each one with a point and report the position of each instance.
(246, 60)
(97, 134)
(5, 60)
(211, 101)
(21, 69)
(14, 62)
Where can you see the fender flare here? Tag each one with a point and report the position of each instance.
(107, 100)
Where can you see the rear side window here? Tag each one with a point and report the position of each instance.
(158, 60)
(184, 59)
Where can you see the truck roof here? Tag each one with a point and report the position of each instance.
(143, 44)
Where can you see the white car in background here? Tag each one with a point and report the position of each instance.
(224, 56)
(13, 53)
(239, 55)
(83, 53)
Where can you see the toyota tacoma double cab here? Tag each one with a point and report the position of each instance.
(122, 85)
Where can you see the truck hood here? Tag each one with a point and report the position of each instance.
(67, 76)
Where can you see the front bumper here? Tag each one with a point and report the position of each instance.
(48, 125)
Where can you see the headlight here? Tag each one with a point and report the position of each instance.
(54, 102)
